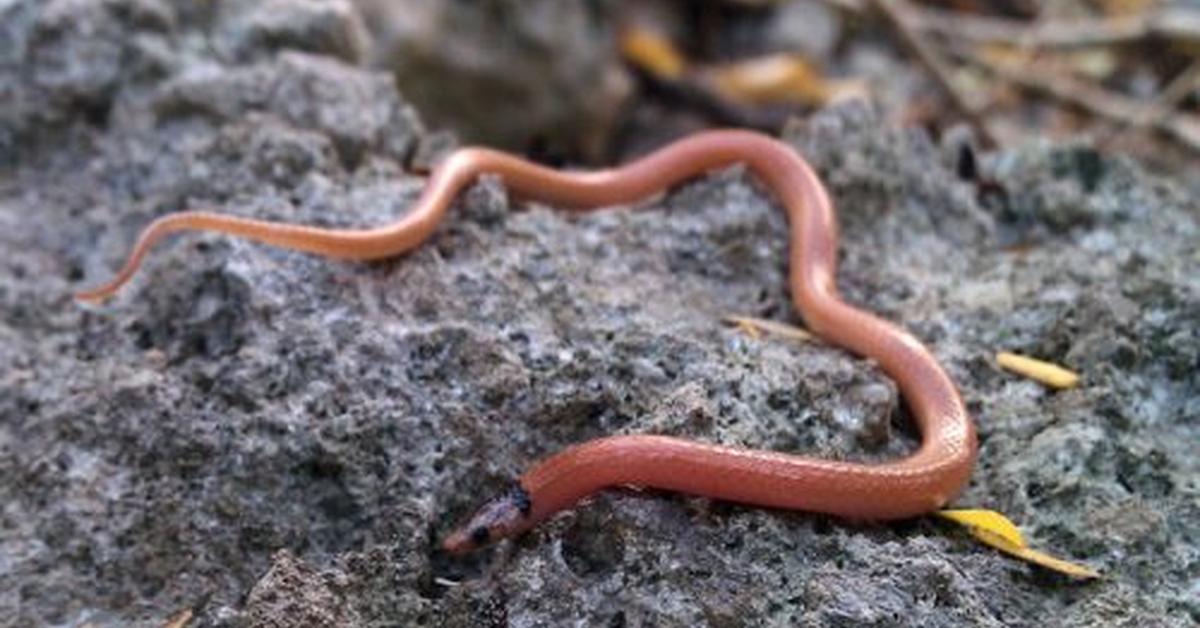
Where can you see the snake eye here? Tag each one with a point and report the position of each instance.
(480, 535)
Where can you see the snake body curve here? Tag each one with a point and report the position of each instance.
(921, 482)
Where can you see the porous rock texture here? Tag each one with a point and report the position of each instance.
(271, 439)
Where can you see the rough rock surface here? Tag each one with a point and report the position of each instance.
(274, 439)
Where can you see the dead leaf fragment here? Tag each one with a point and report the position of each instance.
(652, 52)
(994, 529)
(754, 327)
(1047, 373)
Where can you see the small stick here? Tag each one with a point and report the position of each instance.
(897, 13)
(1184, 129)
(1175, 24)
(1153, 112)
(753, 326)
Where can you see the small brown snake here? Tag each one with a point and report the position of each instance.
(917, 484)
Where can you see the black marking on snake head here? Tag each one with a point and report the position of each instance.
(520, 498)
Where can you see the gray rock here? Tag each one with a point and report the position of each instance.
(275, 439)
(520, 74)
(248, 29)
(804, 26)
(357, 111)
(63, 62)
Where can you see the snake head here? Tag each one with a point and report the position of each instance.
(503, 517)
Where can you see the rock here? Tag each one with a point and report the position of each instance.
(248, 29)
(270, 438)
(538, 75)
(292, 593)
(804, 26)
(63, 62)
(356, 110)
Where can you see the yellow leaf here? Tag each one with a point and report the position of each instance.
(994, 529)
(652, 52)
(988, 520)
(1056, 564)
(1049, 374)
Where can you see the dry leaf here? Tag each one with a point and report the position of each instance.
(994, 529)
(1049, 374)
(779, 79)
(652, 52)
(754, 326)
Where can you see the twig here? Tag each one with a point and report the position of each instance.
(1152, 112)
(1172, 24)
(1113, 106)
(897, 13)
(753, 326)
(179, 620)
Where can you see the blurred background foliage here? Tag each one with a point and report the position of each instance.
(596, 81)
